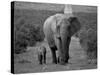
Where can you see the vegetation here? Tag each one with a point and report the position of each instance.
(28, 27)
(88, 33)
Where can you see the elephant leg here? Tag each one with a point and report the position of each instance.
(53, 51)
(44, 57)
(58, 60)
(40, 58)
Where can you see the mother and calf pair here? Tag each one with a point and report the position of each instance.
(58, 30)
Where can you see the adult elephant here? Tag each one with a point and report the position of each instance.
(58, 30)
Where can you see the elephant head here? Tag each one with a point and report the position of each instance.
(58, 30)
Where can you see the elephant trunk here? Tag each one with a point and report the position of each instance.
(64, 52)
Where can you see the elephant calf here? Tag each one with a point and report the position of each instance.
(42, 55)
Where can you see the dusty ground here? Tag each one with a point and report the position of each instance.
(28, 63)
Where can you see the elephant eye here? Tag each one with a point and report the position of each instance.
(72, 19)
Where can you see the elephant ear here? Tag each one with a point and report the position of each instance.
(74, 25)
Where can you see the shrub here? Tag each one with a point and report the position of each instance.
(88, 40)
(27, 35)
(28, 27)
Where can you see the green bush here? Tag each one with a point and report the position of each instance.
(27, 35)
(92, 44)
(88, 33)
(88, 40)
(28, 25)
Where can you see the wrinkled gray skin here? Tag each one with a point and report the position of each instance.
(58, 30)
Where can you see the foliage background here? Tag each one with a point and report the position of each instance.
(29, 19)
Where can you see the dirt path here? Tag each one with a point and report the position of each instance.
(27, 62)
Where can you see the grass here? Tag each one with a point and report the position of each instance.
(29, 62)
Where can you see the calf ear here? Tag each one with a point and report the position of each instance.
(74, 25)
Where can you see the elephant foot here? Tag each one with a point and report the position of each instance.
(44, 62)
(54, 62)
(62, 61)
(40, 63)
(53, 51)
